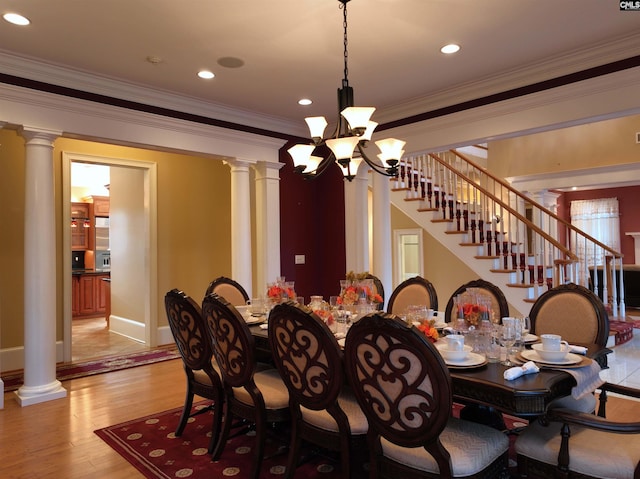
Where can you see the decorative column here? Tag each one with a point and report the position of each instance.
(356, 219)
(241, 224)
(40, 383)
(382, 248)
(267, 222)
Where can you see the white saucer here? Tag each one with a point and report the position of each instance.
(532, 355)
(472, 360)
(530, 338)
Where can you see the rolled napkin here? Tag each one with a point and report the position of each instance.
(264, 326)
(527, 368)
(447, 330)
(577, 349)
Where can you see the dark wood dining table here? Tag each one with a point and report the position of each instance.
(527, 396)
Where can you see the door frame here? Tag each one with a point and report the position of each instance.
(397, 251)
(150, 243)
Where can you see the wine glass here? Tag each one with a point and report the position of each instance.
(526, 326)
(507, 340)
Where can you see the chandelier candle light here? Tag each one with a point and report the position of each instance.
(349, 140)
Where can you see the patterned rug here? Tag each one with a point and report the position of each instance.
(623, 331)
(150, 445)
(13, 381)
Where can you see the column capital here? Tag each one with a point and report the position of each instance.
(268, 169)
(239, 164)
(41, 135)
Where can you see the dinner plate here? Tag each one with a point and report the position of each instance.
(250, 319)
(473, 360)
(530, 338)
(532, 355)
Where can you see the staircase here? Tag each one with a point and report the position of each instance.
(504, 236)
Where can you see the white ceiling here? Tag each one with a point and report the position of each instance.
(293, 49)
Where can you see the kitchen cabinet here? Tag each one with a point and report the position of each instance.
(100, 205)
(89, 295)
(80, 235)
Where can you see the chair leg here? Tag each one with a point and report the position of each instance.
(294, 451)
(186, 412)
(216, 422)
(259, 452)
(226, 416)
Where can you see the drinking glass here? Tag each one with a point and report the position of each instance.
(507, 339)
(526, 326)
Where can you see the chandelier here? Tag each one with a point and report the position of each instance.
(346, 146)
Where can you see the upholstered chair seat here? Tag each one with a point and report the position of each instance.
(229, 289)
(568, 443)
(404, 389)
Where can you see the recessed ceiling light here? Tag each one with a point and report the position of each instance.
(16, 19)
(450, 48)
(206, 74)
(304, 102)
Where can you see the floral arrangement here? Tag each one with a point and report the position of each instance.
(278, 293)
(356, 289)
(473, 313)
(326, 316)
(428, 329)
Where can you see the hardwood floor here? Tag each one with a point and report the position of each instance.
(92, 339)
(55, 439)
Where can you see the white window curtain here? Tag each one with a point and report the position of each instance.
(598, 218)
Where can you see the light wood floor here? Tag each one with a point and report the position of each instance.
(92, 339)
(55, 439)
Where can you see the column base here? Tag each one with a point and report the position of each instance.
(27, 396)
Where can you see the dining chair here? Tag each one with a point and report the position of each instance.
(192, 339)
(404, 389)
(324, 411)
(379, 289)
(252, 394)
(578, 315)
(571, 444)
(229, 289)
(416, 290)
(499, 304)
(574, 312)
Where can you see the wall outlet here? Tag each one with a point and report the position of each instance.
(299, 259)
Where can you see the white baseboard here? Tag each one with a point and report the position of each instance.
(128, 328)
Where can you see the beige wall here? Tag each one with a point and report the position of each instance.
(610, 142)
(194, 242)
(441, 267)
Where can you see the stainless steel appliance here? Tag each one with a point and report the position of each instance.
(103, 260)
(102, 233)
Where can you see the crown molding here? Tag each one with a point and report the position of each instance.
(550, 68)
(37, 70)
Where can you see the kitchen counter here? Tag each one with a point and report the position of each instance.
(90, 271)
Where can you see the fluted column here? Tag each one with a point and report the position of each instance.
(382, 248)
(356, 219)
(241, 224)
(267, 222)
(40, 383)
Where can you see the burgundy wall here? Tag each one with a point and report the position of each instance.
(628, 202)
(312, 224)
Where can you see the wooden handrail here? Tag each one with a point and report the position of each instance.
(567, 252)
(614, 253)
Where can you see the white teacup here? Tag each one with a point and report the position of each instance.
(553, 342)
(455, 342)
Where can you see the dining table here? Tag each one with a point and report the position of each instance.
(527, 396)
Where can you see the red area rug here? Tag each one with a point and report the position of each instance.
(150, 445)
(623, 330)
(64, 372)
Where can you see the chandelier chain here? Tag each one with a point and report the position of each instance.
(346, 53)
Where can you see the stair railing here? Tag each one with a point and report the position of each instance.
(519, 234)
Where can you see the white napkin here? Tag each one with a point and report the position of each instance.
(448, 329)
(264, 326)
(341, 342)
(577, 349)
(527, 368)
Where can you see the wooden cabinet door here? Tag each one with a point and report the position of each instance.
(101, 205)
(80, 236)
(87, 295)
(101, 293)
(75, 295)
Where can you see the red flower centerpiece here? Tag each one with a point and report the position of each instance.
(428, 329)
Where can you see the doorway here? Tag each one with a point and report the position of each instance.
(408, 256)
(136, 327)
